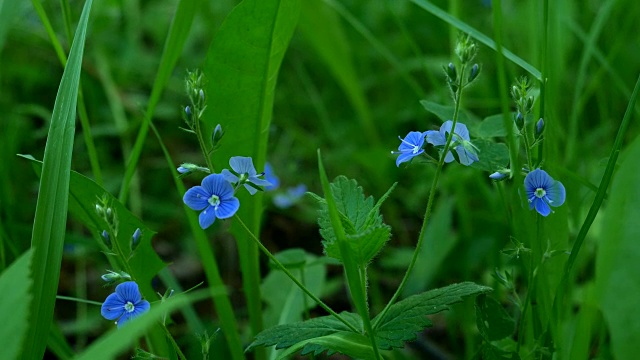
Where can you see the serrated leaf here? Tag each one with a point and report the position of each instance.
(493, 321)
(492, 156)
(284, 336)
(15, 283)
(356, 346)
(365, 245)
(407, 317)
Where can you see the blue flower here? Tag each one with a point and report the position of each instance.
(543, 191)
(467, 152)
(124, 304)
(290, 197)
(271, 177)
(214, 197)
(244, 173)
(410, 147)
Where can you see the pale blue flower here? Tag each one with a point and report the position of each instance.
(271, 177)
(467, 153)
(215, 199)
(244, 173)
(410, 147)
(290, 197)
(543, 191)
(124, 304)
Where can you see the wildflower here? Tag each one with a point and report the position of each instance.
(271, 177)
(124, 304)
(214, 197)
(543, 191)
(467, 152)
(244, 173)
(410, 147)
(290, 197)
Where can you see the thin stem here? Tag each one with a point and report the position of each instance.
(416, 252)
(173, 343)
(293, 278)
(203, 146)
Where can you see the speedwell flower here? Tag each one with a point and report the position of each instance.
(543, 191)
(410, 147)
(124, 304)
(214, 197)
(244, 173)
(467, 152)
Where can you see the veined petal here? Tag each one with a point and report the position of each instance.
(462, 131)
(250, 189)
(260, 182)
(128, 291)
(403, 157)
(228, 175)
(207, 217)
(217, 185)
(446, 127)
(139, 308)
(556, 194)
(463, 156)
(537, 179)
(242, 165)
(112, 307)
(227, 208)
(541, 207)
(435, 138)
(196, 198)
(449, 158)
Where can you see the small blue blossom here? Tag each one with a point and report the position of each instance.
(410, 147)
(183, 170)
(461, 143)
(271, 177)
(543, 191)
(290, 197)
(124, 304)
(244, 173)
(214, 197)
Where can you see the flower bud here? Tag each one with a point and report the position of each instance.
(187, 113)
(519, 120)
(201, 93)
(135, 239)
(217, 135)
(452, 74)
(539, 128)
(106, 239)
(183, 170)
(499, 175)
(473, 74)
(99, 210)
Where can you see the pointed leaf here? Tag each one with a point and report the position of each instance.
(15, 283)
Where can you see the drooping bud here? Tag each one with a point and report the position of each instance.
(111, 276)
(183, 170)
(106, 239)
(135, 239)
(473, 74)
(539, 128)
(519, 120)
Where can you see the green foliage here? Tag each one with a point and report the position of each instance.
(407, 317)
(492, 156)
(614, 283)
(364, 227)
(15, 283)
(50, 221)
(493, 321)
(354, 345)
(445, 112)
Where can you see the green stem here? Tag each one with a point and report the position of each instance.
(293, 278)
(173, 343)
(543, 67)
(434, 184)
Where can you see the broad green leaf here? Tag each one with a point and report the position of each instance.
(284, 336)
(117, 340)
(618, 258)
(493, 126)
(464, 27)
(83, 195)
(492, 156)
(445, 112)
(242, 68)
(50, 221)
(365, 231)
(493, 321)
(354, 345)
(407, 317)
(15, 283)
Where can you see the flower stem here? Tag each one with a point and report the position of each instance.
(423, 229)
(293, 278)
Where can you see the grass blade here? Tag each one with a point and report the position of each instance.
(51, 210)
(15, 283)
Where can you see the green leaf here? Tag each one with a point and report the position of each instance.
(284, 336)
(116, 341)
(445, 112)
(493, 321)
(10, 11)
(492, 156)
(354, 345)
(618, 258)
(407, 317)
(50, 221)
(145, 263)
(491, 352)
(15, 283)
(365, 231)
(464, 27)
(493, 126)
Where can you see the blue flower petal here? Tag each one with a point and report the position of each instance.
(271, 177)
(449, 158)
(227, 208)
(403, 157)
(139, 308)
(537, 179)
(260, 182)
(128, 291)
(250, 189)
(228, 176)
(196, 198)
(242, 165)
(556, 194)
(541, 207)
(207, 217)
(113, 307)
(435, 138)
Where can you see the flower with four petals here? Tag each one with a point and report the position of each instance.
(467, 152)
(410, 147)
(124, 304)
(244, 173)
(215, 199)
(543, 191)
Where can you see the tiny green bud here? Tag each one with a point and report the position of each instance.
(452, 74)
(106, 239)
(99, 210)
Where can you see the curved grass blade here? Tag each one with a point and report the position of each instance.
(464, 27)
(51, 210)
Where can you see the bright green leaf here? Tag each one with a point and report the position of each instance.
(15, 284)
(492, 319)
(493, 126)
(492, 156)
(407, 317)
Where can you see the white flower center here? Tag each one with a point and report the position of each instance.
(214, 200)
(129, 307)
(540, 193)
(416, 148)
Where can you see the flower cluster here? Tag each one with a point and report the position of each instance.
(414, 144)
(215, 196)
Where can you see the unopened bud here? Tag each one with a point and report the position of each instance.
(499, 175)
(201, 93)
(519, 120)
(106, 239)
(135, 239)
(99, 210)
(539, 128)
(452, 74)
(473, 74)
(216, 136)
